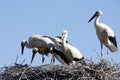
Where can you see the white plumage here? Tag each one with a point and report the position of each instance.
(105, 33)
(59, 55)
(43, 43)
(67, 53)
(71, 52)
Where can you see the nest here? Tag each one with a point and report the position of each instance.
(102, 70)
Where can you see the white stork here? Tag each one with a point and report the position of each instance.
(43, 43)
(105, 33)
(58, 51)
(67, 52)
(44, 51)
(71, 52)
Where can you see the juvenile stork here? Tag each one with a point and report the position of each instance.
(105, 33)
(58, 50)
(68, 53)
(41, 44)
(71, 52)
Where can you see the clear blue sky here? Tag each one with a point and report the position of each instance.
(21, 18)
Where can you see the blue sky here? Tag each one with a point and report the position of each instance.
(21, 18)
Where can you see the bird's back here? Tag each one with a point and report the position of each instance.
(76, 52)
(40, 41)
(106, 36)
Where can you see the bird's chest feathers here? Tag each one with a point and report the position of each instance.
(65, 48)
(102, 34)
(100, 30)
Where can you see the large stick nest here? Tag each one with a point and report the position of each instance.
(102, 70)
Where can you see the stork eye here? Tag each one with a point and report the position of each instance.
(97, 13)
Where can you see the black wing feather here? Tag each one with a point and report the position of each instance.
(61, 54)
(113, 40)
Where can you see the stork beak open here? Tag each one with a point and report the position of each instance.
(22, 48)
(92, 18)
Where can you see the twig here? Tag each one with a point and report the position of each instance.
(24, 72)
(16, 59)
(116, 72)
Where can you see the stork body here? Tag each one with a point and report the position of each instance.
(105, 33)
(42, 44)
(66, 53)
(58, 51)
(69, 53)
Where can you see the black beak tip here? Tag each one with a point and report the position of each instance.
(22, 49)
(21, 53)
(92, 18)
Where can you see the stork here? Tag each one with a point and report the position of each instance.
(105, 33)
(70, 51)
(58, 51)
(42, 44)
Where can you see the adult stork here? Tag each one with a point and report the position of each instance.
(42, 44)
(58, 55)
(105, 33)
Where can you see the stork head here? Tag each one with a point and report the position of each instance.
(23, 44)
(97, 13)
(64, 35)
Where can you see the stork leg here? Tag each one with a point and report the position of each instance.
(53, 58)
(43, 59)
(101, 50)
(33, 55)
(107, 52)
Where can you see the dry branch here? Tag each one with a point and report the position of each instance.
(103, 70)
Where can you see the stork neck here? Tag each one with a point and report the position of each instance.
(97, 20)
(63, 44)
(64, 39)
(27, 45)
